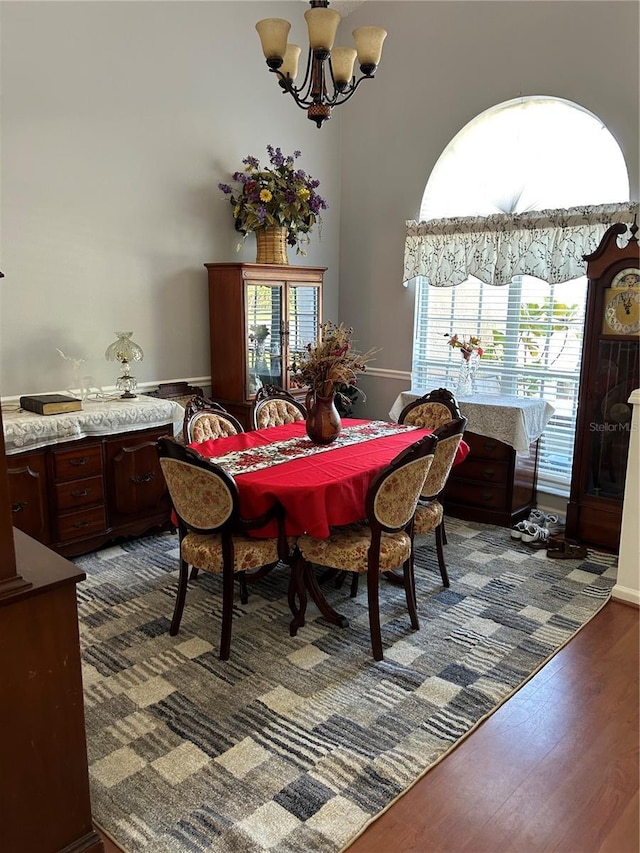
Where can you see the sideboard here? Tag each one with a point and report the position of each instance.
(496, 483)
(81, 479)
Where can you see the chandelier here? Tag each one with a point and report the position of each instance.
(329, 80)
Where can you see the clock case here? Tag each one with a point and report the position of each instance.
(608, 375)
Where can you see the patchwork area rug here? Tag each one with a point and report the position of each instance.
(296, 744)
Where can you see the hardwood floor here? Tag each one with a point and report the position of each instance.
(554, 770)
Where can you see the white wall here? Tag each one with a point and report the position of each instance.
(444, 63)
(118, 121)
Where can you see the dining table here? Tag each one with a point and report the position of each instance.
(318, 486)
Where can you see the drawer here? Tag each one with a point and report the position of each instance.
(476, 494)
(87, 522)
(483, 471)
(483, 447)
(77, 462)
(79, 493)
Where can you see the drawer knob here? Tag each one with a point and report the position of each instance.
(147, 477)
(488, 473)
(18, 507)
(82, 524)
(486, 496)
(80, 493)
(490, 445)
(79, 460)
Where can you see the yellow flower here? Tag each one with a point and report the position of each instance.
(265, 195)
(304, 193)
(236, 211)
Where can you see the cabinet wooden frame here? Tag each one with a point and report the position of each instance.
(229, 328)
(593, 515)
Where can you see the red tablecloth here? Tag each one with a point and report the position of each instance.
(317, 490)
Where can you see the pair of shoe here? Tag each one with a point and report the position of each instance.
(537, 529)
(532, 534)
(567, 551)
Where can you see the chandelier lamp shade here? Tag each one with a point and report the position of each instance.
(329, 79)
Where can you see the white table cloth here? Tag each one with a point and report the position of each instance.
(516, 421)
(28, 431)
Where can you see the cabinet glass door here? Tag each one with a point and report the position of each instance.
(263, 336)
(303, 319)
(610, 418)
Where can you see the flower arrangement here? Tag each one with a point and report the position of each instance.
(466, 346)
(331, 364)
(258, 333)
(276, 195)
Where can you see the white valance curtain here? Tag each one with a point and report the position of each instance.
(547, 244)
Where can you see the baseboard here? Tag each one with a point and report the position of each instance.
(626, 594)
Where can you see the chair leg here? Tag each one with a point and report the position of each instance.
(374, 614)
(355, 577)
(244, 591)
(227, 612)
(410, 592)
(297, 593)
(194, 572)
(180, 598)
(444, 533)
(439, 549)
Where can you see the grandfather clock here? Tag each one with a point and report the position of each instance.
(609, 373)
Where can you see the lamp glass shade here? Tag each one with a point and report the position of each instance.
(322, 24)
(369, 44)
(273, 34)
(290, 63)
(342, 62)
(124, 349)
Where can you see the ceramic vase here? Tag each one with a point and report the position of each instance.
(323, 422)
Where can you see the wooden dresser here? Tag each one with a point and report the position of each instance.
(496, 484)
(89, 477)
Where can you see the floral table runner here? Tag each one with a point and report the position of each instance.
(254, 458)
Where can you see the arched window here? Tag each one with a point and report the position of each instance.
(529, 154)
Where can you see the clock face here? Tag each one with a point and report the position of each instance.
(627, 278)
(622, 311)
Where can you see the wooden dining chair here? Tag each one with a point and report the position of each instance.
(212, 535)
(429, 511)
(385, 541)
(205, 419)
(273, 406)
(431, 410)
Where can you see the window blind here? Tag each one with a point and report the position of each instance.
(531, 335)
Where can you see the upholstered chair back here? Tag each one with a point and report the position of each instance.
(431, 411)
(449, 436)
(205, 419)
(274, 406)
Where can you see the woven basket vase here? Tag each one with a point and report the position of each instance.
(271, 246)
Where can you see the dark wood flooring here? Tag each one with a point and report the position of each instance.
(554, 770)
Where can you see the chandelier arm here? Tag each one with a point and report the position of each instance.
(347, 93)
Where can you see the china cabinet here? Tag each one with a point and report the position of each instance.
(609, 373)
(260, 315)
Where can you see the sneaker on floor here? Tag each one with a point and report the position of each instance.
(518, 529)
(554, 524)
(536, 536)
